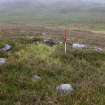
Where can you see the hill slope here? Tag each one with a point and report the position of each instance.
(83, 69)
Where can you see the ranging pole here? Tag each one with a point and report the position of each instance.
(65, 40)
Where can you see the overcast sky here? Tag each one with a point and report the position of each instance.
(97, 1)
(59, 0)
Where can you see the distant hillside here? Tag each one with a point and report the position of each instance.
(51, 12)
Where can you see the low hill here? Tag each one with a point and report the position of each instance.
(52, 12)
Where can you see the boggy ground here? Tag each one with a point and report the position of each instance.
(75, 35)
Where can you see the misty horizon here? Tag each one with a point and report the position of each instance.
(52, 11)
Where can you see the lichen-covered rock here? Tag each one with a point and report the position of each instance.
(7, 47)
(65, 89)
(36, 78)
(99, 49)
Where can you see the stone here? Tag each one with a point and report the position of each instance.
(99, 49)
(7, 47)
(60, 42)
(79, 46)
(36, 78)
(50, 42)
(44, 33)
(65, 89)
(2, 61)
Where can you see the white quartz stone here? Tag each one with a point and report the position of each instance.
(65, 89)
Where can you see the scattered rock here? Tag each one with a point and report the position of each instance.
(50, 42)
(99, 49)
(2, 61)
(78, 46)
(7, 47)
(36, 78)
(65, 89)
(44, 33)
(60, 42)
